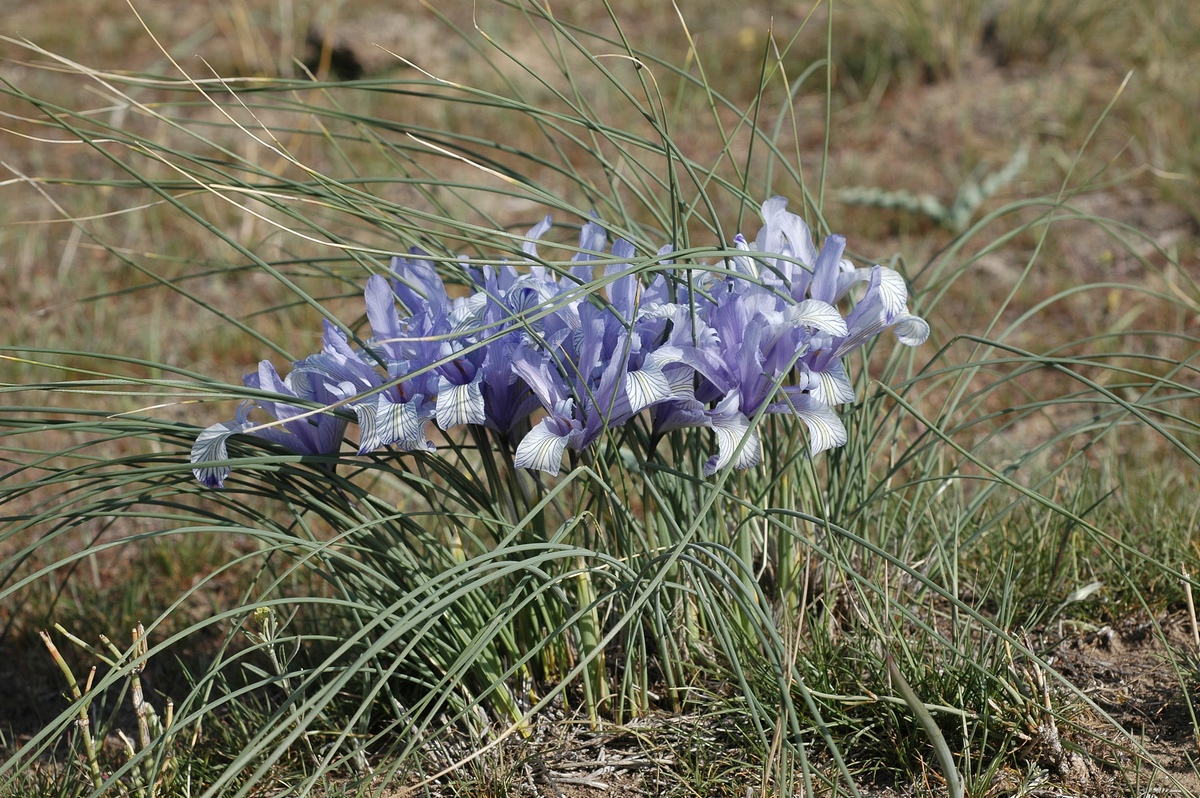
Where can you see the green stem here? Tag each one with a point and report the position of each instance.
(595, 677)
(89, 745)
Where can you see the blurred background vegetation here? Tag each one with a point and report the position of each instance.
(926, 96)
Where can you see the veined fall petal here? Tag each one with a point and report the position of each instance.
(816, 314)
(736, 442)
(825, 428)
(832, 387)
(460, 404)
(210, 446)
(542, 448)
(383, 422)
(911, 330)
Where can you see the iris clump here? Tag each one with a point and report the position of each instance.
(549, 364)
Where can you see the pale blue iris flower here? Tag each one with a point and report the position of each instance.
(542, 359)
(302, 430)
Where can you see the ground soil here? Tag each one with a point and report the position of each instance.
(1142, 673)
(1139, 675)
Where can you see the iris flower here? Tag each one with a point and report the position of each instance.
(302, 431)
(715, 351)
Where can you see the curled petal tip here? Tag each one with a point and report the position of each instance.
(912, 330)
(210, 447)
